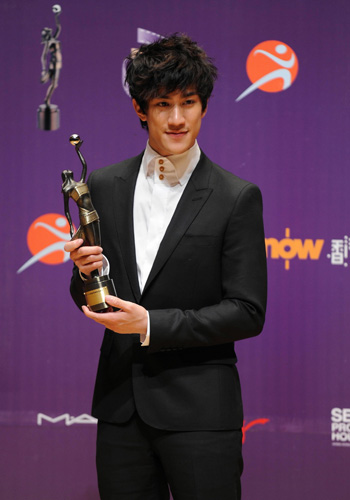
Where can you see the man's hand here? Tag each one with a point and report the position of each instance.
(131, 318)
(86, 258)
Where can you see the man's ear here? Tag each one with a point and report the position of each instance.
(138, 110)
(206, 109)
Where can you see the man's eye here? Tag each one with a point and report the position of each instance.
(162, 104)
(188, 102)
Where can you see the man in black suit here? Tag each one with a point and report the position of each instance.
(185, 243)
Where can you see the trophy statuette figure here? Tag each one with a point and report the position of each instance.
(48, 114)
(96, 287)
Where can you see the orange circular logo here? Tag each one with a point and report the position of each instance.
(272, 66)
(46, 237)
(275, 63)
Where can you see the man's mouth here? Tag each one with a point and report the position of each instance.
(177, 134)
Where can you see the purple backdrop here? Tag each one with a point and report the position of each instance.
(293, 143)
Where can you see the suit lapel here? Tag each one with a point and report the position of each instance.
(191, 203)
(124, 187)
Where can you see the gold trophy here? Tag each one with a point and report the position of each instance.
(96, 287)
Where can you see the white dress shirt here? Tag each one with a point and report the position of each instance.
(159, 186)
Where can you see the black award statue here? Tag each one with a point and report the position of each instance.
(48, 114)
(96, 287)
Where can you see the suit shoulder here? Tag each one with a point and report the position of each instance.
(236, 194)
(123, 168)
(230, 182)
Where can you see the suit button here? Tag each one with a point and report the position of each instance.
(161, 162)
(161, 177)
(161, 169)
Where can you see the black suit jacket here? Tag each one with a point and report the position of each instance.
(206, 290)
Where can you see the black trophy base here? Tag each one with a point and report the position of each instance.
(95, 291)
(48, 117)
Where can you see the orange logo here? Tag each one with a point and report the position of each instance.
(289, 248)
(272, 66)
(246, 427)
(46, 238)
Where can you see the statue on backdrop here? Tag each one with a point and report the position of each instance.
(51, 63)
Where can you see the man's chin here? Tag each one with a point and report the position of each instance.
(172, 147)
(178, 146)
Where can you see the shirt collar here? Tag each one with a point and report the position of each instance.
(175, 169)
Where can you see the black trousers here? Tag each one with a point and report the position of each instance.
(137, 462)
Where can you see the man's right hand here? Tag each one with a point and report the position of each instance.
(86, 258)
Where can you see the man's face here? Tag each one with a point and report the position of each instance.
(173, 120)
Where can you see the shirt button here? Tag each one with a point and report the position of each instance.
(161, 177)
(161, 162)
(161, 169)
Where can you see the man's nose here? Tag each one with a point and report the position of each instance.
(176, 116)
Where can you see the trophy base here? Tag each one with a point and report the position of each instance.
(48, 117)
(95, 291)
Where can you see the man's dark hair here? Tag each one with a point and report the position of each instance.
(167, 65)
